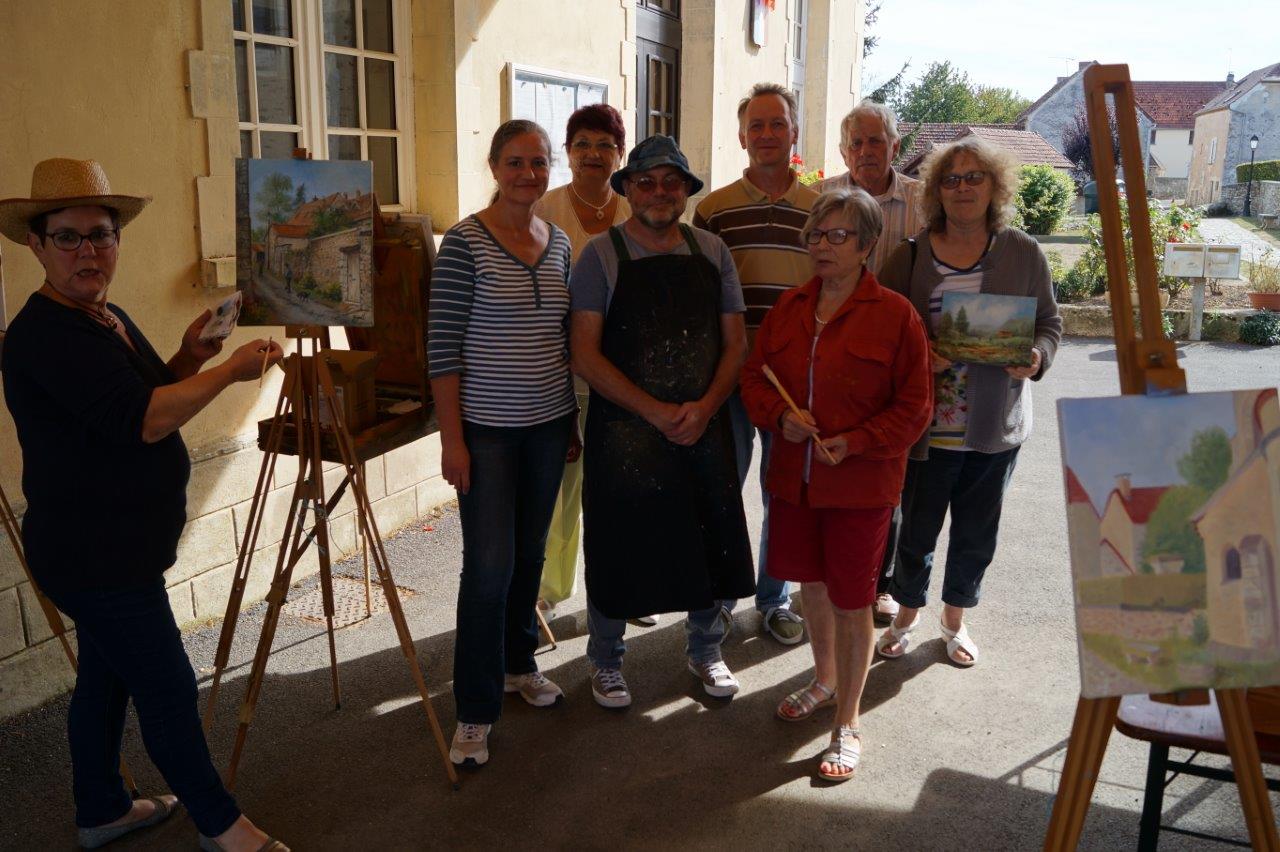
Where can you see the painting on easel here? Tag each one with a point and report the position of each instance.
(1173, 511)
(304, 242)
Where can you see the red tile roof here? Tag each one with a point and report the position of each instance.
(1141, 503)
(1173, 103)
(1027, 146)
(1075, 491)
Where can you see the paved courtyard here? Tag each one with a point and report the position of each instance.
(954, 759)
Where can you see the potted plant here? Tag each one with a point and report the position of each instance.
(1264, 283)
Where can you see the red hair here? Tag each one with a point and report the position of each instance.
(601, 118)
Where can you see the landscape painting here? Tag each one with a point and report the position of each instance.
(980, 328)
(1173, 514)
(304, 242)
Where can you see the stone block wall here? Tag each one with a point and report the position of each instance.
(1167, 188)
(1265, 197)
(403, 485)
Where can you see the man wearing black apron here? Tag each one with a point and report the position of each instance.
(658, 334)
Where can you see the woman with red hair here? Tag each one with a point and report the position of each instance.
(594, 140)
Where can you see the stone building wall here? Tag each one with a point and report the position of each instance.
(1264, 199)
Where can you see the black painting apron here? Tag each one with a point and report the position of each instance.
(664, 528)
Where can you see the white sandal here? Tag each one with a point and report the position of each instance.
(960, 640)
(897, 635)
(845, 751)
(803, 703)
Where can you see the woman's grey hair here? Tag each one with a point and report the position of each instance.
(855, 206)
(869, 109)
(509, 130)
(760, 89)
(1001, 169)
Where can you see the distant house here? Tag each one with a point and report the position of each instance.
(1172, 105)
(1085, 528)
(1223, 127)
(1055, 111)
(1027, 146)
(1238, 525)
(1123, 527)
(341, 257)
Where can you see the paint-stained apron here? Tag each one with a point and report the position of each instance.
(664, 528)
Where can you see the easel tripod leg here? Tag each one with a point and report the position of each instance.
(1088, 744)
(1246, 763)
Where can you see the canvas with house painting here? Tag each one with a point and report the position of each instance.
(1173, 513)
(304, 242)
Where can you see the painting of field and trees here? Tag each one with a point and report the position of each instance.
(1173, 512)
(980, 328)
(304, 242)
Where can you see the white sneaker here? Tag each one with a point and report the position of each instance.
(470, 743)
(716, 678)
(533, 687)
(609, 688)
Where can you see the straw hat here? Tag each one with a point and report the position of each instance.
(59, 183)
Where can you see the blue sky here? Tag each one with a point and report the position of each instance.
(1143, 436)
(986, 312)
(1027, 46)
(322, 177)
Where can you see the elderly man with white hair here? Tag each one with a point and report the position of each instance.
(869, 143)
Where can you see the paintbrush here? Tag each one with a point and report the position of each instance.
(786, 397)
(266, 353)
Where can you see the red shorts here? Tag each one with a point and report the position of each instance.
(842, 548)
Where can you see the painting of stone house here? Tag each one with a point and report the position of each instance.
(307, 241)
(1174, 527)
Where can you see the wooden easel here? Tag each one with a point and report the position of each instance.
(1147, 365)
(308, 385)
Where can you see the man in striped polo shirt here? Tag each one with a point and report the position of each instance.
(760, 217)
(869, 143)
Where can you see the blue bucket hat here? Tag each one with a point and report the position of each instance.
(653, 152)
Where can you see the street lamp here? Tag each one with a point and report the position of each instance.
(1248, 190)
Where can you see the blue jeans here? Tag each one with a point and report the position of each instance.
(130, 647)
(972, 486)
(515, 477)
(704, 631)
(770, 593)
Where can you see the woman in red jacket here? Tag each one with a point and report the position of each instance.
(855, 357)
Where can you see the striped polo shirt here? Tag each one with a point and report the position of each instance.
(502, 324)
(764, 237)
(900, 206)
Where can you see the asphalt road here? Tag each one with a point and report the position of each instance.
(953, 758)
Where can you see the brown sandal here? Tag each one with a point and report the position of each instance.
(803, 703)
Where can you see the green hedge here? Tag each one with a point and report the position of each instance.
(1262, 170)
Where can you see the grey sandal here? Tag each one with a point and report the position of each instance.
(92, 838)
(845, 751)
(803, 703)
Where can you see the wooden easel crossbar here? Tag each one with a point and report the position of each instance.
(1147, 365)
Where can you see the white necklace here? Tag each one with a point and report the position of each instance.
(599, 210)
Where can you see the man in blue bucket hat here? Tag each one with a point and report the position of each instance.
(658, 333)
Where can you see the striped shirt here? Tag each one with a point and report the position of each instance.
(950, 402)
(900, 206)
(764, 238)
(502, 324)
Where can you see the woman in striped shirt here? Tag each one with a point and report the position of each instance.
(499, 366)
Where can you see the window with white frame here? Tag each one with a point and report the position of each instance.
(797, 45)
(1213, 149)
(332, 76)
(549, 98)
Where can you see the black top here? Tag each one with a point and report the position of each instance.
(104, 508)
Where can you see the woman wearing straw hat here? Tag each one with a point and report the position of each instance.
(95, 405)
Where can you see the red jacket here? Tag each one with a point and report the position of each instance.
(872, 383)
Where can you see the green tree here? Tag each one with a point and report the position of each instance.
(329, 220)
(275, 198)
(997, 105)
(1208, 462)
(1043, 200)
(962, 323)
(945, 327)
(942, 94)
(1169, 529)
(300, 196)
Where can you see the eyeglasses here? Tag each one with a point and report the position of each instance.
(101, 238)
(835, 236)
(971, 178)
(582, 146)
(670, 183)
